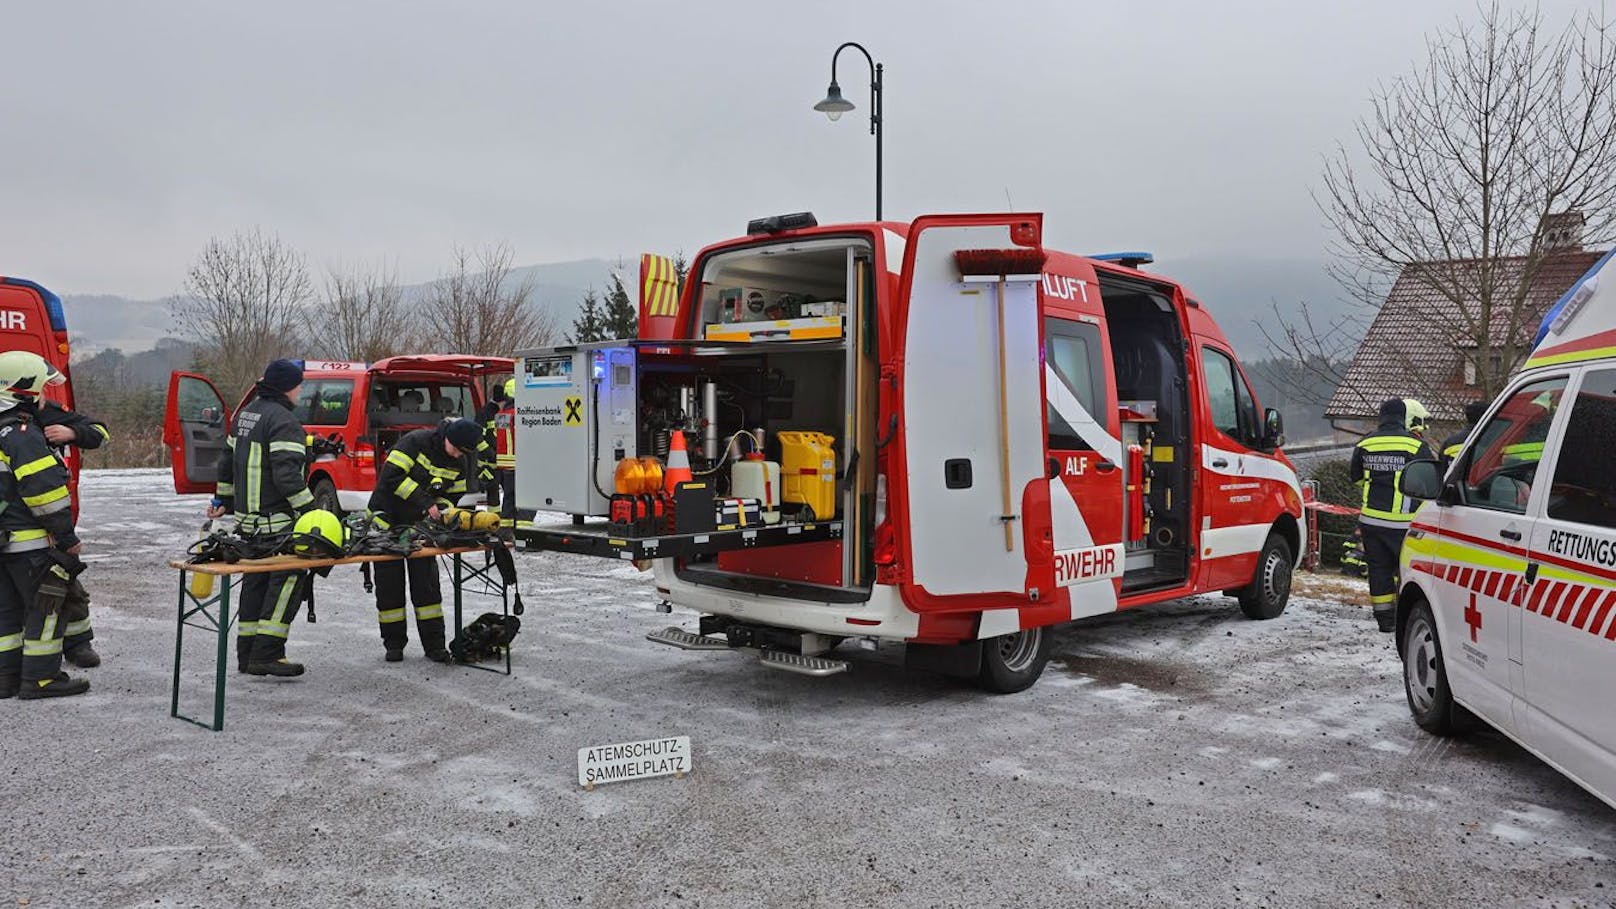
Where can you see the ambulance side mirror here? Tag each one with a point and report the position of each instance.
(1420, 480)
(1273, 430)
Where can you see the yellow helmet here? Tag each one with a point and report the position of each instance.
(1415, 416)
(319, 534)
(510, 389)
(23, 377)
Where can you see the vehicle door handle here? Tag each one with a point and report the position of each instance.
(1105, 466)
(1220, 462)
(1514, 535)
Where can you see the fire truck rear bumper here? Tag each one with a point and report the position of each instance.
(883, 615)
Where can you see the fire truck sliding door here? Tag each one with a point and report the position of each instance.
(955, 451)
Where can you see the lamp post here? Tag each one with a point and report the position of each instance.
(835, 105)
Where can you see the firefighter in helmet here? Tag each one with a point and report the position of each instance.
(39, 558)
(488, 417)
(424, 474)
(64, 427)
(263, 480)
(505, 452)
(1384, 515)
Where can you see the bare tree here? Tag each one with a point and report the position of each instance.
(478, 307)
(364, 316)
(243, 304)
(1462, 173)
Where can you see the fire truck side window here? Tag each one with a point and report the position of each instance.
(1073, 350)
(324, 402)
(1234, 408)
(1501, 467)
(1584, 488)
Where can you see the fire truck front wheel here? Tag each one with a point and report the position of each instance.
(1270, 588)
(1013, 662)
(325, 496)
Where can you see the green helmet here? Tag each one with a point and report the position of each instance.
(23, 377)
(319, 534)
(510, 389)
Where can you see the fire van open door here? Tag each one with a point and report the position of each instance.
(972, 436)
(194, 427)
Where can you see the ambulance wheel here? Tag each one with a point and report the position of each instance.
(325, 496)
(1013, 662)
(1270, 588)
(1425, 677)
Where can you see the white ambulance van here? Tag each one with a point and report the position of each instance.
(1508, 604)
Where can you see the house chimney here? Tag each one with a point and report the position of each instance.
(1562, 232)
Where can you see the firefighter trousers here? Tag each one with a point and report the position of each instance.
(425, 592)
(507, 497)
(1382, 547)
(30, 631)
(269, 603)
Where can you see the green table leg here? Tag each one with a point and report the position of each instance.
(224, 650)
(179, 644)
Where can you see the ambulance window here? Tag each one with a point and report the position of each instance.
(1073, 350)
(1500, 468)
(1234, 408)
(1584, 488)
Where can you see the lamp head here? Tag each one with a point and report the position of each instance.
(834, 104)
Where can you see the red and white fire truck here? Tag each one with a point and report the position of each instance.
(364, 407)
(32, 319)
(976, 438)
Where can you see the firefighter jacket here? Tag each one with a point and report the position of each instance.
(87, 432)
(37, 505)
(505, 437)
(1377, 463)
(417, 474)
(264, 475)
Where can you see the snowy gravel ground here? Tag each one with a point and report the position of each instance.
(1174, 756)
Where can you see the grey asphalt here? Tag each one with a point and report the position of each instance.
(1174, 756)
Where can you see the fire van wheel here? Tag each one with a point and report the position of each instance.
(325, 496)
(1425, 677)
(1270, 588)
(1013, 662)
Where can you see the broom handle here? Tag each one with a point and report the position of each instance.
(1004, 430)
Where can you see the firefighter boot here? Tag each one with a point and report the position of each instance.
(1386, 617)
(282, 667)
(57, 686)
(9, 685)
(83, 656)
(395, 656)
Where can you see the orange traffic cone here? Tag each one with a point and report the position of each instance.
(678, 469)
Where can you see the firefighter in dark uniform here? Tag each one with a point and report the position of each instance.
(263, 480)
(488, 417)
(424, 473)
(1377, 463)
(39, 559)
(505, 454)
(65, 427)
(1452, 445)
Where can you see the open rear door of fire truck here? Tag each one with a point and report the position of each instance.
(972, 431)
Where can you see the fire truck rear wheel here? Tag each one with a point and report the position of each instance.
(1425, 677)
(325, 496)
(1013, 662)
(1270, 588)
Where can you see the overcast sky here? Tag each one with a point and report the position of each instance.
(131, 132)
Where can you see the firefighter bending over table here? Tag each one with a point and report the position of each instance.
(1377, 461)
(424, 473)
(263, 479)
(40, 554)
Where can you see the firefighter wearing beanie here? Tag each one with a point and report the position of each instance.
(263, 479)
(426, 472)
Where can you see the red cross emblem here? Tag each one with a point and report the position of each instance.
(1472, 617)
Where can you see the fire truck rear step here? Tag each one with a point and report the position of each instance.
(818, 667)
(684, 640)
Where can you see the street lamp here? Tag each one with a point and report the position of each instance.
(835, 105)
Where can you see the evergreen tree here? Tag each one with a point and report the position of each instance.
(591, 322)
(621, 318)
